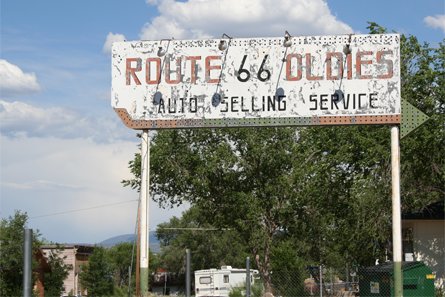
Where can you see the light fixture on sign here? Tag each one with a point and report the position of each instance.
(279, 91)
(162, 51)
(157, 98)
(216, 99)
(223, 45)
(338, 93)
(338, 96)
(287, 39)
(347, 47)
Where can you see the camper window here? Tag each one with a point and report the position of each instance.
(205, 280)
(226, 278)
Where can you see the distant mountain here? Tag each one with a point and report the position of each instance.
(153, 241)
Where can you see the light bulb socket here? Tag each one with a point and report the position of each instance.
(216, 99)
(287, 40)
(161, 52)
(338, 95)
(157, 97)
(222, 46)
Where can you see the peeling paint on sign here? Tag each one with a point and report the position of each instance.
(315, 80)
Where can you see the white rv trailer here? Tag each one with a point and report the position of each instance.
(219, 282)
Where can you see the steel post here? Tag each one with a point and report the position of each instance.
(144, 212)
(27, 263)
(396, 212)
(187, 273)
(248, 277)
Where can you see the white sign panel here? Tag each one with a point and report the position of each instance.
(311, 80)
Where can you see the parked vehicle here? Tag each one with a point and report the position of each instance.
(219, 282)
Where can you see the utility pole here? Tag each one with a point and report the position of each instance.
(138, 254)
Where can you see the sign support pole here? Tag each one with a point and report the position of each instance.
(144, 212)
(396, 212)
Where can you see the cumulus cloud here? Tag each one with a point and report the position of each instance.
(14, 81)
(436, 22)
(20, 119)
(249, 18)
(111, 37)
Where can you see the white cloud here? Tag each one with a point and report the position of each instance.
(111, 37)
(249, 18)
(20, 119)
(14, 81)
(436, 22)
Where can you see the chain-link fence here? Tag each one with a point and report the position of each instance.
(418, 281)
(317, 280)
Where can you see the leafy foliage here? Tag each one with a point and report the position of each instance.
(97, 275)
(54, 280)
(209, 246)
(11, 251)
(119, 257)
(11, 260)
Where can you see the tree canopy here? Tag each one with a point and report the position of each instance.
(97, 275)
(11, 259)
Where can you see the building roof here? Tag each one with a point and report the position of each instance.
(434, 211)
(81, 248)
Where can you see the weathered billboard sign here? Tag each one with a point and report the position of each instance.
(310, 80)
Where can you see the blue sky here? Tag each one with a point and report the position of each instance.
(63, 148)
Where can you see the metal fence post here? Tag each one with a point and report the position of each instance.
(247, 277)
(27, 263)
(187, 273)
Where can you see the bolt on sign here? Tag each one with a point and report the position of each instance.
(286, 81)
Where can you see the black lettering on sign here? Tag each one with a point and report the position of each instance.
(354, 101)
(263, 74)
(193, 105)
(243, 71)
(313, 99)
(233, 101)
(226, 104)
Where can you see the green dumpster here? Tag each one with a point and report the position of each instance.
(418, 280)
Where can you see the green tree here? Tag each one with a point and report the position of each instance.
(120, 259)
(210, 247)
(238, 178)
(55, 278)
(11, 253)
(11, 259)
(97, 275)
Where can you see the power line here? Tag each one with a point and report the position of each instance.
(83, 209)
(194, 229)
